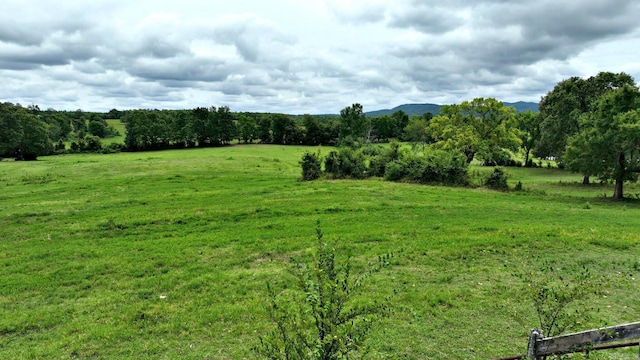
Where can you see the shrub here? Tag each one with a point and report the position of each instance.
(518, 186)
(319, 319)
(439, 167)
(498, 158)
(380, 160)
(394, 171)
(346, 163)
(497, 180)
(311, 166)
(112, 148)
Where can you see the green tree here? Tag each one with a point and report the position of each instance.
(353, 123)
(147, 130)
(23, 135)
(416, 132)
(264, 129)
(35, 138)
(247, 128)
(10, 130)
(227, 127)
(529, 126)
(481, 127)
(98, 128)
(608, 145)
(562, 108)
(313, 134)
(400, 120)
(283, 129)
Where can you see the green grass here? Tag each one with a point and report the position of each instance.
(166, 254)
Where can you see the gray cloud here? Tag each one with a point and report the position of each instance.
(427, 19)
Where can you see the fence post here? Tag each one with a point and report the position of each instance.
(532, 347)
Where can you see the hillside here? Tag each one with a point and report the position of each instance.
(420, 109)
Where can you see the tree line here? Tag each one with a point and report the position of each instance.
(590, 126)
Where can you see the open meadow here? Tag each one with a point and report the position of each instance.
(166, 255)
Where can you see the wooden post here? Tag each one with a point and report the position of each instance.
(532, 347)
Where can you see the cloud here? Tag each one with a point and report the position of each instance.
(427, 19)
(358, 11)
(293, 56)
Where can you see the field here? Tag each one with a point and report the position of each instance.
(166, 255)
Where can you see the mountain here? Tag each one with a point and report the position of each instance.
(420, 109)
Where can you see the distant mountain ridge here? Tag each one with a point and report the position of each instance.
(420, 109)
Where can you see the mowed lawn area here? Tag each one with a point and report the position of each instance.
(166, 255)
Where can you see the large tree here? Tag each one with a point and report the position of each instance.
(529, 126)
(608, 145)
(353, 123)
(22, 134)
(562, 108)
(481, 127)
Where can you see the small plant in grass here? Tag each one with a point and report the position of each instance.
(321, 319)
(556, 296)
(518, 186)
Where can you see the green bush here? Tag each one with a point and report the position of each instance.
(318, 318)
(435, 167)
(311, 166)
(346, 163)
(497, 180)
(112, 148)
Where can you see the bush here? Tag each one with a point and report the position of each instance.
(497, 180)
(112, 148)
(346, 163)
(379, 161)
(311, 166)
(319, 319)
(518, 186)
(438, 167)
(498, 158)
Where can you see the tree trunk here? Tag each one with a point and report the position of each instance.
(526, 157)
(585, 180)
(470, 155)
(617, 193)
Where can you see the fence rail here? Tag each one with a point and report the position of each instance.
(591, 340)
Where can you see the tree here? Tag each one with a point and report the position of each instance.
(353, 123)
(529, 126)
(313, 134)
(226, 125)
(608, 145)
(247, 128)
(10, 129)
(35, 138)
(562, 108)
(283, 129)
(264, 129)
(98, 128)
(22, 134)
(416, 132)
(480, 127)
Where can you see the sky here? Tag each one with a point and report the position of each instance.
(305, 56)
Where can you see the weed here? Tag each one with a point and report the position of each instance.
(327, 324)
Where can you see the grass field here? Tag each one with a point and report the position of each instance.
(165, 255)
